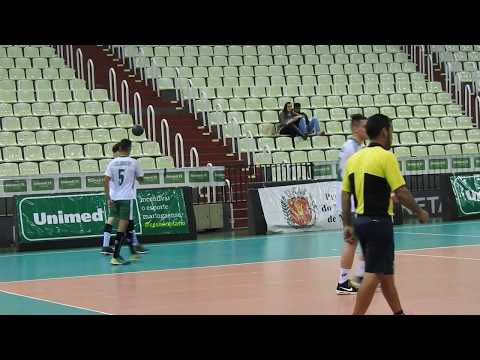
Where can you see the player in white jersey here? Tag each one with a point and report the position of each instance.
(120, 194)
(351, 146)
(107, 249)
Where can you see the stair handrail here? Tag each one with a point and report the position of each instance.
(91, 74)
(468, 100)
(151, 123)
(190, 95)
(204, 110)
(217, 124)
(125, 97)
(137, 107)
(213, 189)
(194, 156)
(80, 72)
(178, 146)
(430, 67)
(112, 83)
(477, 103)
(165, 133)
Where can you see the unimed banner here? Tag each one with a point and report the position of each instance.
(306, 207)
(467, 194)
(74, 216)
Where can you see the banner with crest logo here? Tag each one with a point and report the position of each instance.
(303, 207)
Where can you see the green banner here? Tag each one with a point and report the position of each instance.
(322, 170)
(74, 216)
(467, 194)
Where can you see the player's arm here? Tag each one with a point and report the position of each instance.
(347, 206)
(138, 173)
(106, 188)
(397, 184)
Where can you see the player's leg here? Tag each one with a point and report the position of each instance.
(123, 209)
(388, 254)
(344, 286)
(365, 293)
(107, 235)
(390, 293)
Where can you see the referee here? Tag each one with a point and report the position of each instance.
(371, 175)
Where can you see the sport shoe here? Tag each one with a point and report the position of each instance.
(119, 261)
(106, 250)
(134, 257)
(140, 249)
(346, 288)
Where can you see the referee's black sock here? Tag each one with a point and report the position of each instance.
(118, 244)
(400, 312)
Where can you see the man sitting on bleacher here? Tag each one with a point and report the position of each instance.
(295, 124)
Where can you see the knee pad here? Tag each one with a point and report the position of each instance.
(108, 228)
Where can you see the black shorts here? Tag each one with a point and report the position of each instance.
(375, 235)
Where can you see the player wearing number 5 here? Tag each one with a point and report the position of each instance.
(120, 194)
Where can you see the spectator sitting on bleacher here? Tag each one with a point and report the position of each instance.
(312, 125)
(292, 123)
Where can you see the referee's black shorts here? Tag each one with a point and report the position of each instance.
(375, 235)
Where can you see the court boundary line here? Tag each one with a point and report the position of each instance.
(255, 237)
(54, 302)
(211, 266)
(438, 234)
(442, 256)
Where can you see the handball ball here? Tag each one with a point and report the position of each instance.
(137, 130)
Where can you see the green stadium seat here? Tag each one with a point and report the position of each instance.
(25, 138)
(69, 167)
(458, 136)
(63, 137)
(50, 123)
(44, 137)
(436, 150)
(419, 150)
(453, 149)
(28, 169)
(89, 166)
(53, 152)
(33, 153)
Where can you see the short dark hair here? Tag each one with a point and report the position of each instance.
(356, 118)
(297, 105)
(115, 148)
(376, 123)
(124, 145)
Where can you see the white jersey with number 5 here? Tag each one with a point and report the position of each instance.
(122, 172)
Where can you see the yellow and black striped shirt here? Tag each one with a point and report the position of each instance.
(371, 174)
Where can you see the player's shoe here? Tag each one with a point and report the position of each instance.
(356, 281)
(134, 257)
(106, 250)
(140, 249)
(346, 288)
(119, 261)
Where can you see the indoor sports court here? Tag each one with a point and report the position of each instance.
(274, 274)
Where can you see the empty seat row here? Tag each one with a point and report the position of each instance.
(436, 150)
(253, 60)
(74, 151)
(439, 136)
(236, 50)
(272, 70)
(59, 108)
(43, 84)
(27, 51)
(298, 156)
(66, 122)
(74, 166)
(37, 73)
(31, 96)
(81, 136)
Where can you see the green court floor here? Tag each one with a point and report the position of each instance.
(203, 253)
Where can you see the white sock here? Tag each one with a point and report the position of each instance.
(135, 238)
(360, 268)
(106, 239)
(344, 273)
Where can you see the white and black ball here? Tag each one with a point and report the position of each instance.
(137, 130)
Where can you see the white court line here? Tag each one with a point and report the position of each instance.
(54, 302)
(290, 236)
(212, 266)
(437, 234)
(171, 269)
(443, 257)
(180, 242)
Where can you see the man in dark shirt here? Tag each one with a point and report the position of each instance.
(311, 125)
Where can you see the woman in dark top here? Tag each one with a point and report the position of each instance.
(289, 122)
